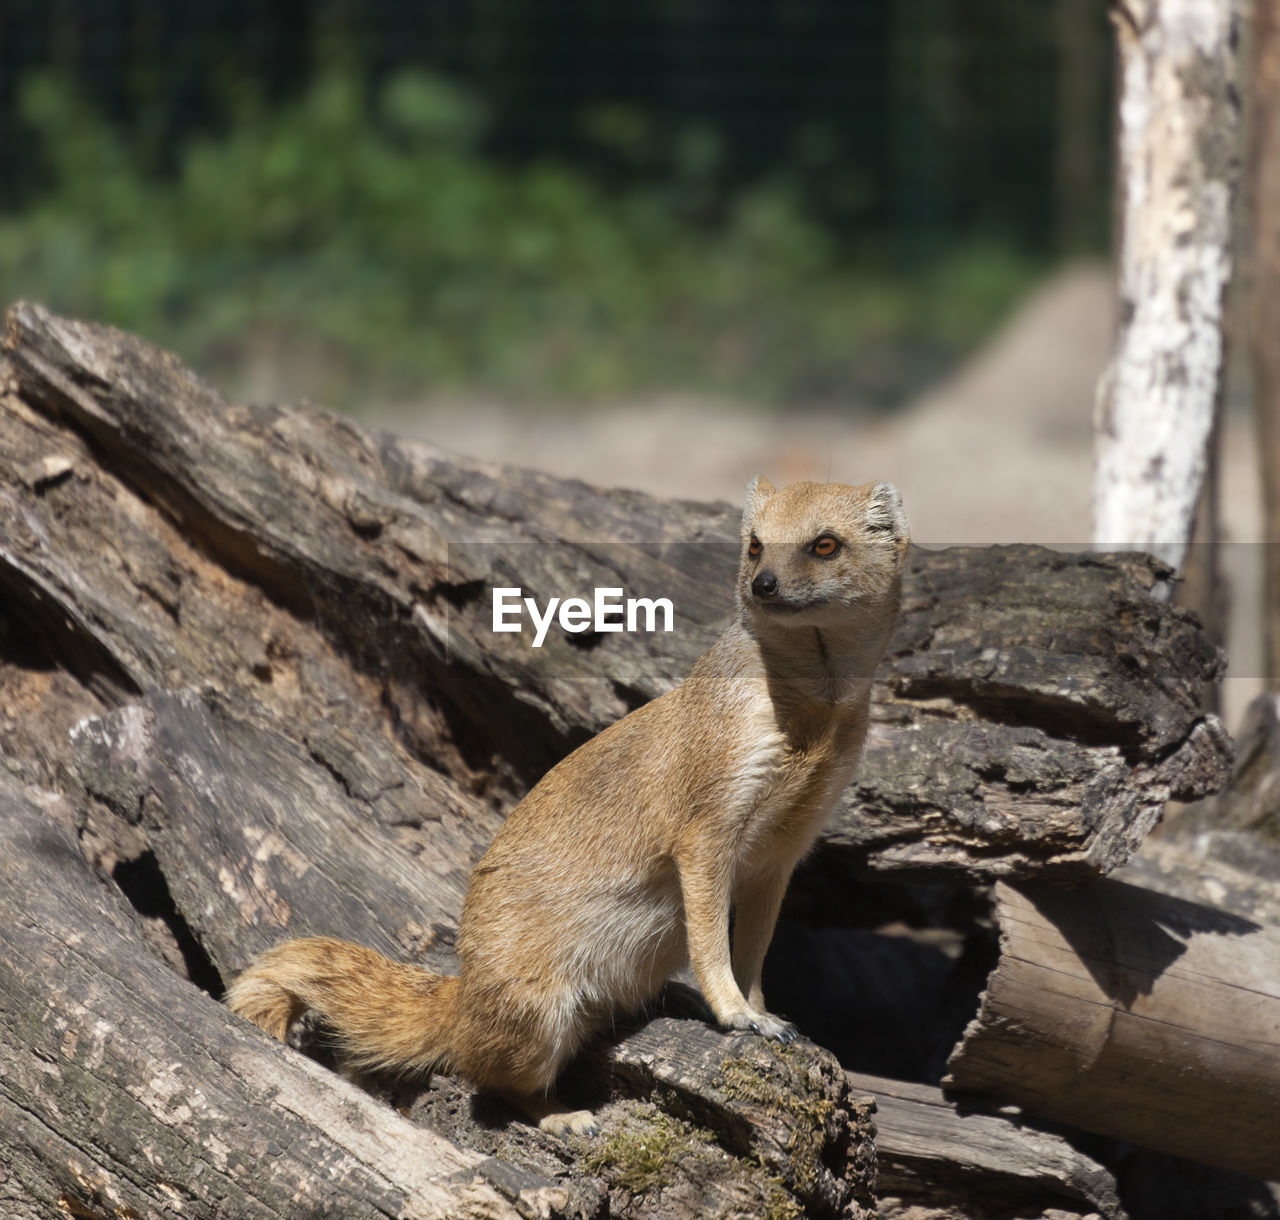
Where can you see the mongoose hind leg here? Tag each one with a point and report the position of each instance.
(551, 1115)
(514, 1037)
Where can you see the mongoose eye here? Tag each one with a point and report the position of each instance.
(753, 547)
(826, 546)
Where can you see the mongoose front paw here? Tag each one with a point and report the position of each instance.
(764, 1024)
(569, 1122)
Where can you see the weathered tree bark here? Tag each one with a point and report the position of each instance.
(1224, 851)
(126, 1091)
(124, 1087)
(1251, 800)
(1133, 1015)
(1011, 738)
(251, 650)
(936, 1161)
(1178, 138)
(1036, 712)
(1264, 204)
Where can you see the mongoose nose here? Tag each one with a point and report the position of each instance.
(765, 584)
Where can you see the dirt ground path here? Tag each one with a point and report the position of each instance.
(1001, 451)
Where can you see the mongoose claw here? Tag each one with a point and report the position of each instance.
(765, 1025)
(780, 1031)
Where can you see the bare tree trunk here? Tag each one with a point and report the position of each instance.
(1204, 588)
(1177, 161)
(1264, 168)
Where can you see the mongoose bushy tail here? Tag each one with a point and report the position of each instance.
(406, 1029)
(624, 862)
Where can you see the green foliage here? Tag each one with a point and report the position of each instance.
(371, 234)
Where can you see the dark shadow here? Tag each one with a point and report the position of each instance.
(1125, 936)
(585, 641)
(683, 1002)
(38, 632)
(887, 1005)
(1156, 1186)
(143, 883)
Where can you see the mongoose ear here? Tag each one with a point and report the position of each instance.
(758, 491)
(886, 514)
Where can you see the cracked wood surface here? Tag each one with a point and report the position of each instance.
(250, 651)
(1034, 714)
(1135, 1015)
(937, 1162)
(125, 1091)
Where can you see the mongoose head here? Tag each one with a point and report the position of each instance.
(821, 554)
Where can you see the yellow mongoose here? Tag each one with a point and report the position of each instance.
(624, 861)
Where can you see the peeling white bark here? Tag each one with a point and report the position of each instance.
(1178, 155)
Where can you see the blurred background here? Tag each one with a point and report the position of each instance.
(666, 244)
(655, 243)
(777, 201)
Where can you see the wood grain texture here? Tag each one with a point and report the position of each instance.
(125, 1091)
(1224, 851)
(936, 1161)
(1135, 1015)
(246, 654)
(1034, 714)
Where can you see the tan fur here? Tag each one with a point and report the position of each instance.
(625, 860)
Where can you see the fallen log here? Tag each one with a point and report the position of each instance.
(694, 1124)
(257, 836)
(251, 649)
(935, 1160)
(126, 1091)
(1035, 713)
(1224, 851)
(1135, 1015)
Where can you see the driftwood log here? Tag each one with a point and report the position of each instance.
(249, 683)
